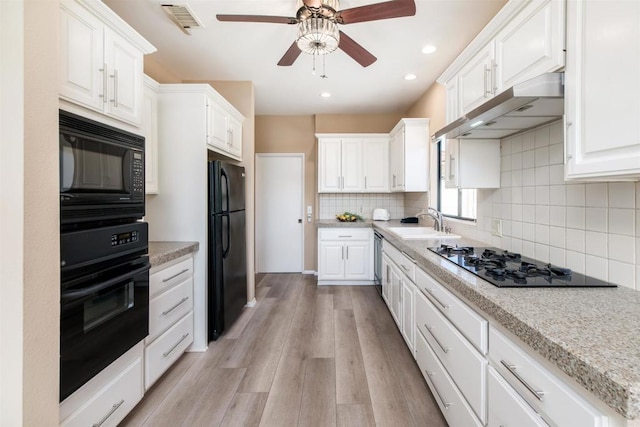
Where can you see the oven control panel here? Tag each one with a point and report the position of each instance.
(124, 238)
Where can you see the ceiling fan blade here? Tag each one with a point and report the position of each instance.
(257, 18)
(354, 50)
(377, 11)
(290, 56)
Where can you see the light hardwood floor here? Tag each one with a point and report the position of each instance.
(303, 356)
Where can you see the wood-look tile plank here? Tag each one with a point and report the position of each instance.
(322, 339)
(212, 402)
(318, 407)
(341, 297)
(245, 410)
(351, 379)
(355, 415)
(278, 284)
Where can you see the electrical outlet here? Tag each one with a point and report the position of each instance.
(496, 227)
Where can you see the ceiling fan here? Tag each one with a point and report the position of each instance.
(318, 21)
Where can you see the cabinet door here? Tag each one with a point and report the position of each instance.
(396, 154)
(506, 407)
(235, 137)
(217, 135)
(358, 265)
(408, 313)
(149, 129)
(531, 44)
(331, 261)
(329, 156)
(451, 163)
(352, 177)
(376, 165)
(82, 70)
(124, 79)
(474, 81)
(603, 131)
(386, 280)
(453, 101)
(396, 283)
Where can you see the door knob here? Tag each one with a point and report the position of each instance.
(299, 221)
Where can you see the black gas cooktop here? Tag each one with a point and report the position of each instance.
(510, 270)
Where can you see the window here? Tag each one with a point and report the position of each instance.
(454, 202)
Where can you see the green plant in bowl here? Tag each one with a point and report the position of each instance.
(348, 217)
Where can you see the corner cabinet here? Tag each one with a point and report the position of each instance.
(472, 163)
(409, 156)
(602, 127)
(101, 61)
(345, 256)
(149, 129)
(353, 163)
(217, 124)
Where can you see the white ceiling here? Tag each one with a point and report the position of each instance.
(250, 52)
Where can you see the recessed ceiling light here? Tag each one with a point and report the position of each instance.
(410, 77)
(429, 49)
(325, 95)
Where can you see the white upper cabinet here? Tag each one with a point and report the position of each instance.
(524, 40)
(409, 155)
(353, 163)
(149, 128)
(602, 90)
(472, 163)
(224, 128)
(101, 61)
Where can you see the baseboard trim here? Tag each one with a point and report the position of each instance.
(346, 283)
(251, 303)
(309, 272)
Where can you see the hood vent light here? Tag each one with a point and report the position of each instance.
(182, 16)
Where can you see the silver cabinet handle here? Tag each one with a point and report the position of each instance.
(445, 404)
(404, 267)
(512, 370)
(104, 83)
(443, 348)
(343, 237)
(394, 181)
(494, 77)
(387, 273)
(487, 91)
(113, 409)
(182, 301)
(451, 170)
(365, 182)
(440, 303)
(338, 179)
(347, 252)
(115, 88)
(175, 275)
(166, 353)
(343, 252)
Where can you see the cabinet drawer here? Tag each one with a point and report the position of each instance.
(111, 404)
(169, 276)
(164, 351)
(406, 264)
(506, 407)
(345, 234)
(451, 402)
(461, 360)
(542, 389)
(168, 307)
(473, 326)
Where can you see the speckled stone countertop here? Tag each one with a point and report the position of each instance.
(334, 223)
(591, 334)
(162, 252)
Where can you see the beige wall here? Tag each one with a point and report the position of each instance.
(431, 104)
(294, 134)
(30, 273)
(157, 72)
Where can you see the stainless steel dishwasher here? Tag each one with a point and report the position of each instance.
(377, 261)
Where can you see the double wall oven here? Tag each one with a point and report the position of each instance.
(104, 267)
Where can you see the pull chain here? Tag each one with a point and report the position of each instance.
(314, 64)
(324, 74)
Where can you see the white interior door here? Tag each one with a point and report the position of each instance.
(279, 215)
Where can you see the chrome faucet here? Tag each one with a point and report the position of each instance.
(436, 215)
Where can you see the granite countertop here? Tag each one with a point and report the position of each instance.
(334, 223)
(591, 334)
(162, 252)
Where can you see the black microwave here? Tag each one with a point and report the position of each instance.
(101, 173)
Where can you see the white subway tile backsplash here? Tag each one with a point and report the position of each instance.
(557, 256)
(516, 195)
(542, 156)
(505, 163)
(622, 248)
(597, 267)
(516, 178)
(558, 216)
(542, 136)
(542, 195)
(575, 240)
(542, 253)
(622, 195)
(332, 204)
(556, 154)
(542, 175)
(505, 179)
(542, 215)
(621, 274)
(557, 237)
(516, 229)
(516, 144)
(528, 141)
(576, 261)
(505, 195)
(622, 221)
(575, 195)
(528, 177)
(576, 217)
(557, 195)
(556, 174)
(505, 146)
(596, 219)
(556, 132)
(516, 161)
(528, 232)
(506, 211)
(597, 195)
(516, 245)
(528, 213)
(528, 159)
(596, 244)
(528, 249)
(542, 234)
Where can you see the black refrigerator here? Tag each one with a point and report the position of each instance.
(227, 272)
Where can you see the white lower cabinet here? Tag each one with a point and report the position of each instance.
(407, 300)
(507, 408)
(386, 279)
(345, 256)
(109, 396)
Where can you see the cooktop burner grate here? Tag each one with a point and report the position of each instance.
(507, 269)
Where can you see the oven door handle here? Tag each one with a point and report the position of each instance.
(81, 293)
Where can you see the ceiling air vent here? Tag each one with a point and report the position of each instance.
(182, 16)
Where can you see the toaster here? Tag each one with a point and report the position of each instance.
(381, 215)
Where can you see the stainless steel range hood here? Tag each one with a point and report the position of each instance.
(524, 106)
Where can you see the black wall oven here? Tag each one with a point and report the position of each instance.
(101, 173)
(104, 299)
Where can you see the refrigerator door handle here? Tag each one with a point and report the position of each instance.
(223, 174)
(225, 229)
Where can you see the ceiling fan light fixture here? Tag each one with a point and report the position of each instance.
(318, 35)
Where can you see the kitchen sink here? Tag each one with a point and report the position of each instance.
(420, 233)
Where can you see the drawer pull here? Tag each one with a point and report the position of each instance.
(440, 303)
(175, 275)
(164, 313)
(166, 353)
(113, 409)
(344, 237)
(443, 348)
(445, 404)
(512, 369)
(410, 258)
